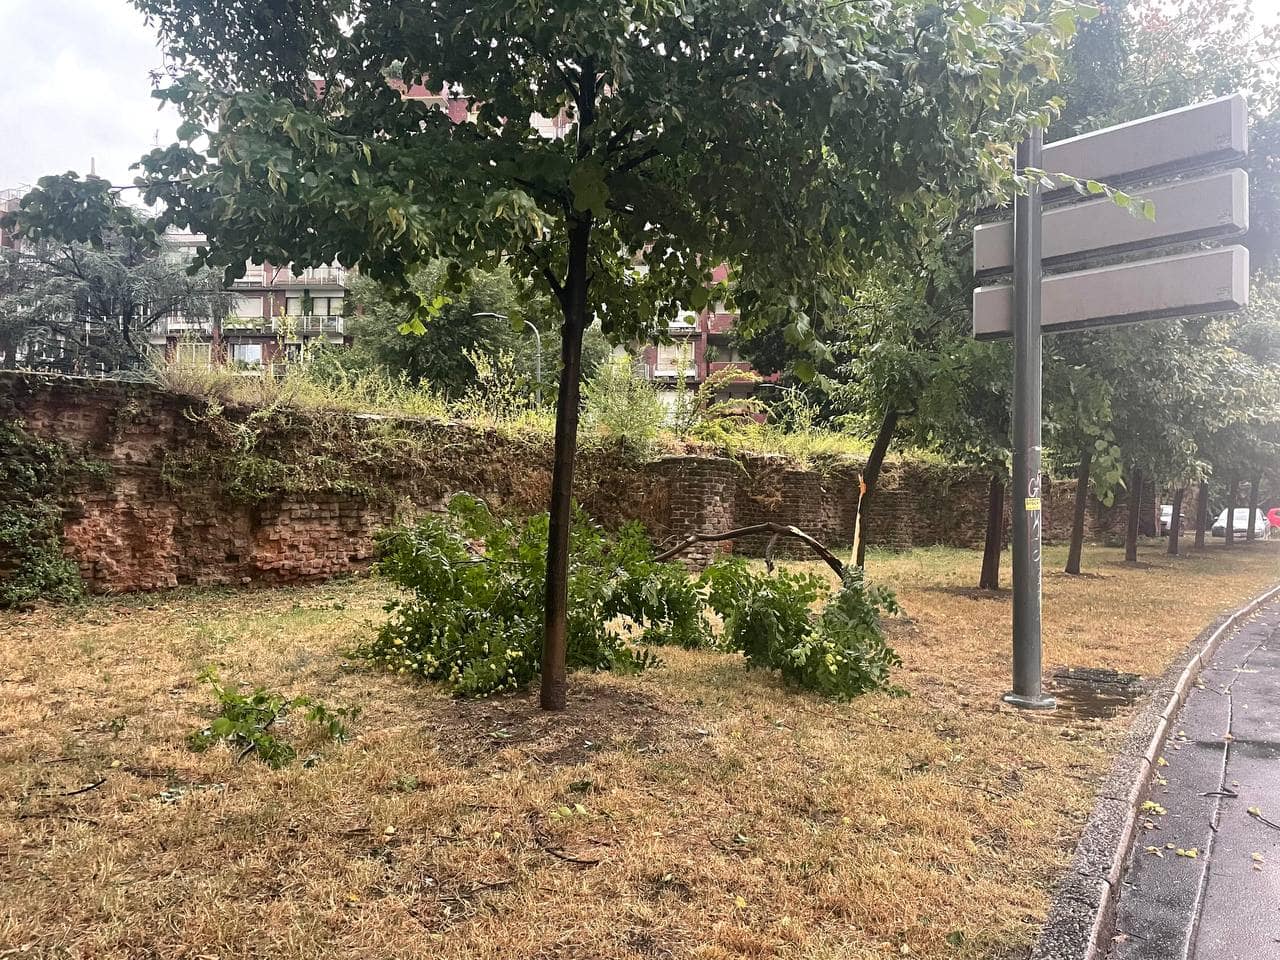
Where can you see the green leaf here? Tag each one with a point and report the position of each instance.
(586, 181)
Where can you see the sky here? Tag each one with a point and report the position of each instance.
(74, 85)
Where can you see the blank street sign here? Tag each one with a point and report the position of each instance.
(1209, 132)
(1207, 207)
(1207, 281)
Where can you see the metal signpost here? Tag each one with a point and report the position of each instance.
(1188, 211)
(1027, 388)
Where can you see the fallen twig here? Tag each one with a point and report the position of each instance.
(545, 846)
(71, 793)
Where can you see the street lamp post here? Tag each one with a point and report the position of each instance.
(537, 339)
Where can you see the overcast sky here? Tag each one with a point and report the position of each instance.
(74, 84)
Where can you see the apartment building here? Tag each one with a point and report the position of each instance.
(701, 347)
(274, 314)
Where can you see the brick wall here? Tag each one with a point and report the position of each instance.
(139, 529)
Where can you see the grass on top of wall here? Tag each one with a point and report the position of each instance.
(509, 410)
(693, 811)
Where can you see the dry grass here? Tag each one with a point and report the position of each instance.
(724, 816)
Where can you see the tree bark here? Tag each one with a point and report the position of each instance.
(1078, 512)
(1253, 508)
(1175, 521)
(990, 577)
(871, 474)
(1135, 513)
(1233, 491)
(555, 624)
(1202, 513)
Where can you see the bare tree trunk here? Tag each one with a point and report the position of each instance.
(1254, 494)
(1202, 513)
(990, 577)
(1175, 522)
(1233, 492)
(555, 641)
(1135, 513)
(871, 474)
(1078, 512)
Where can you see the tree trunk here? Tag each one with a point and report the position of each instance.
(1253, 508)
(1202, 513)
(870, 474)
(555, 624)
(1135, 513)
(1078, 513)
(1175, 521)
(990, 578)
(1233, 491)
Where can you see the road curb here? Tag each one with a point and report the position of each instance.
(1082, 914)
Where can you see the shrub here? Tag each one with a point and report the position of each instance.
(244, 721)
(621, 405)
(840, 653)
(32, 475)
(473, 621)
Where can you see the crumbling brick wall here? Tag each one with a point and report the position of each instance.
(139, 529)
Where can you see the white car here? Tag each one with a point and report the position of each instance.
(1166, 519)
(1240, 525)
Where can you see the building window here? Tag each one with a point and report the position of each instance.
(192, 354)
(248, 307)
(247, 353)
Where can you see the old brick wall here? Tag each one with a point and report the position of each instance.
(134, 527)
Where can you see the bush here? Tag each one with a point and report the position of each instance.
(621, 405)
(32, 476)
(840, 653)
(474, 619)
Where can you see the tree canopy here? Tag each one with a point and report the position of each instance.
(91, 279)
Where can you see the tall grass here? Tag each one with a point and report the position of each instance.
(620, 406)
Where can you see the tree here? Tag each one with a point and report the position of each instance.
(87, 297)
(485, 317)
(791, 142)
(1147, 397)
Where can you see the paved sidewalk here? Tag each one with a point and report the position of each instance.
(1203, 878)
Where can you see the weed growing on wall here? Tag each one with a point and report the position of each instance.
(472, 617)
(32, 478)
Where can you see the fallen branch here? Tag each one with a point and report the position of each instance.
(777, 529)
(72, 793)
(544, 844)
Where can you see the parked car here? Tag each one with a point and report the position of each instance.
(1240, 524)
(1166, 519)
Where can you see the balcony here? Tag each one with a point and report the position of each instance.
(293, 328)
(686, 321)
(666, 372)
(283, 277)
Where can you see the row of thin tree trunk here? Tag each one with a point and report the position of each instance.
(989, 579)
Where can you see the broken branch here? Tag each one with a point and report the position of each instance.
(777, 529)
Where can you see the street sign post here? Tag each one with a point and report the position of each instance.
(1188, 211)
(1027, 226)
